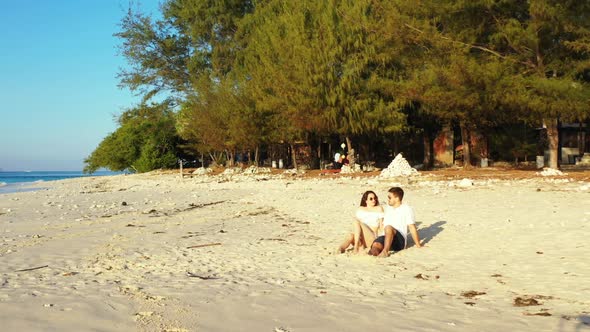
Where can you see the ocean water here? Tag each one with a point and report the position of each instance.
(16, 181)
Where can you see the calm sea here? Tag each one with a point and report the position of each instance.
(15, 181)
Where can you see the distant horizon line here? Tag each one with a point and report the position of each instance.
(51, 170)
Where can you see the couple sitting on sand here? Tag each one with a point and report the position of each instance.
(383, 228)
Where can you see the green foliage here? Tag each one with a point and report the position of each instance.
(244, 73)
(210, 25)
(157, 54)
(544, 43)
(314, 64)
(221, 119)
(145, 140)
(515, 141)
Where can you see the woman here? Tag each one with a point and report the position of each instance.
(369, 218)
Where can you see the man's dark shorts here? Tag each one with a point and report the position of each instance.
(397, 244)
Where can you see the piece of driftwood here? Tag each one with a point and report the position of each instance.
(204, 245)
(273, 239)
(192, 206)
(32, 269)
(192, 275)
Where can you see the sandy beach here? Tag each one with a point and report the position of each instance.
(154, 252)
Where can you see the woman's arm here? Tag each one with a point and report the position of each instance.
(380, 228)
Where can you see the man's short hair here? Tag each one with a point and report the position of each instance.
(397, 192)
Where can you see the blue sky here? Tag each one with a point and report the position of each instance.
(58, 85)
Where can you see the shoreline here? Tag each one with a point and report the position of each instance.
(16, 187)
(118, 252)
(19, 181)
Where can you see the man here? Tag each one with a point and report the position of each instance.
(337, 163)
(398, 219)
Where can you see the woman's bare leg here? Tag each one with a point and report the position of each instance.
(348, 240)
(368, 235)
(358, 233)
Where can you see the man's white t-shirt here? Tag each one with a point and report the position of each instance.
(399, 218)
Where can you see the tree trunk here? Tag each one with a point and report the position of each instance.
(466, 145)
(230, 158)
(350, 154)
(256, 156)
(319, 152)
(180, 162)
(293, 155)
(553, 139)
(314, 142)
(427, 161)
(581, 139)
(443, 146)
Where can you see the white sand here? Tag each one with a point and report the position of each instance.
(115, 267)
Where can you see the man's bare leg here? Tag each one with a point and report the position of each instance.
(377, 249)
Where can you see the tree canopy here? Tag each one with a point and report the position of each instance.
(145, 140)
(239, 74)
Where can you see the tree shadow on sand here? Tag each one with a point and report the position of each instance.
(428, 233)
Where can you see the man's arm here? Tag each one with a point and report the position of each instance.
(415, 235)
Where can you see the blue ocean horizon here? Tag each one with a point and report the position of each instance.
(15, 181)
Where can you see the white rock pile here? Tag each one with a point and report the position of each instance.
(202, 171)
(550, 172)
(465, 183)
(255, 170)
(398, 167)
(347, 169)
(231, 171)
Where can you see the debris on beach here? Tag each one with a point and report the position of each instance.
(398, 167)
(472, 294)
(32, 268)
(530, 300)
(465, 183)
(294, 171)
(542, 313)
(421, 276)
(525, 302)
(347, 169)
(202, 171)
(231, 171)
(252, 173)
(551, 172)
(256, 170)
(369, 167)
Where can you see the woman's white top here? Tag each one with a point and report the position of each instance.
(371, 218)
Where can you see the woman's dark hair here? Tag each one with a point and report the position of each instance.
(366, 195)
